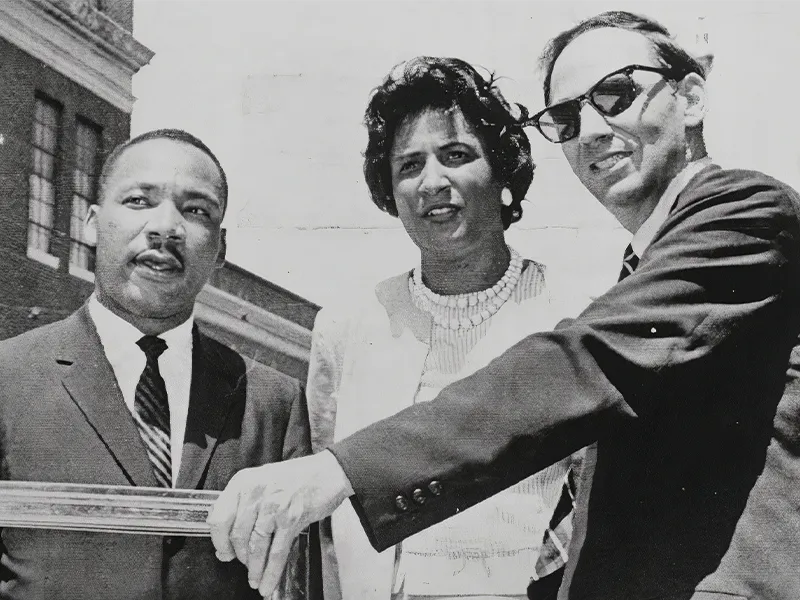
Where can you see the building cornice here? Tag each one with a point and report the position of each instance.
(253, 323)
(100, 29)
(78, 41)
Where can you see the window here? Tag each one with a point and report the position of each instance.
(84, 194)
(42, 194)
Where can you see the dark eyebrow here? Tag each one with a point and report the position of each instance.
(191, 193)
(446, 146)
(201, 195)
(457, 143)
(404, 155)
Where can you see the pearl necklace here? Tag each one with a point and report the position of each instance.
(465, 311)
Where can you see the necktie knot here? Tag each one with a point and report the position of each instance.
(152, 346)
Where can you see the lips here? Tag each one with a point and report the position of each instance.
(159, 261)
(608, 161)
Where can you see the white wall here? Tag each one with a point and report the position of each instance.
(277, 89)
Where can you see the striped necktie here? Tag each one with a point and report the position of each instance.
(553, 554)
(629, 263)
(151, 411)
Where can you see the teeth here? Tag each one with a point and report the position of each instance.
(440, 211)
(609, 162)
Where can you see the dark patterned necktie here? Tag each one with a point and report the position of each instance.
(629, 263)
(553, 554)
(151, 411)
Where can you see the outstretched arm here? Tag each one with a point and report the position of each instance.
(724, 268)
(720, 274)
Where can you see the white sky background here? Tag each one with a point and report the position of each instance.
(278, 88)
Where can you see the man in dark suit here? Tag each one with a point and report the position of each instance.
(128, 391)
(676, 372)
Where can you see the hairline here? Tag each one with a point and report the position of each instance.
(111, 162)
(548, 62)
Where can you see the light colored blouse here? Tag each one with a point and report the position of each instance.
(384, 355)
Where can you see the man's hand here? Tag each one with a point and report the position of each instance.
(263, 509)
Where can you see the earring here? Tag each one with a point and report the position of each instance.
(505, 197)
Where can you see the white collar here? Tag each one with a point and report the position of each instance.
(119, 337)
(645, 234)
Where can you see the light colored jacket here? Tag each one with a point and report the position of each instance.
(366, 364)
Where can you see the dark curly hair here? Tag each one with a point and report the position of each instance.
(666, 50)
(444, 83)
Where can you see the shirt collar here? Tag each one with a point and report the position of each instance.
(119, 337)
(645, 234)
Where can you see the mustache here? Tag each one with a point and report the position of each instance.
(170, 244)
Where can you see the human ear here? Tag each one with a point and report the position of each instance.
(90, 226)
(693, 90)
(223, 248)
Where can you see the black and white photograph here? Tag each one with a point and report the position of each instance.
(399, 300)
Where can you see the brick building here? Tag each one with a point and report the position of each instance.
(65, 102)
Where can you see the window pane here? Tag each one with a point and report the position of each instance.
(35, 188)
(79, 209)
(48, 193)
(46, 214)
(48, 166)
(41, 195)
(49, 139)
(38, 237)
(48, 113)
(87, 144)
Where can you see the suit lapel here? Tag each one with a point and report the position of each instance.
(92, 385)
(213, 391)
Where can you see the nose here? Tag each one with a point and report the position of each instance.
(593, 126)
(166, 223)
(434, 178)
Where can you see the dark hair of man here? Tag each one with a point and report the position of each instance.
(429, 82)
(178, 135)
(667, 52)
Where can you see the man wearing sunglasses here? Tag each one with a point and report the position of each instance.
(676, 372)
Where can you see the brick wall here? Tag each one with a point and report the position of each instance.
(25, 283)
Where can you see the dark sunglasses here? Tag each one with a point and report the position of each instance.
(610, 96)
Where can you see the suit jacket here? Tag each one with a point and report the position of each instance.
(675, 372)
(63, 419)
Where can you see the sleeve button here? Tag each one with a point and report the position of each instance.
(435, 487)
(401, 502)
(419, 496)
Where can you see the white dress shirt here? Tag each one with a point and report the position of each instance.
(128, 360)
(645, 234)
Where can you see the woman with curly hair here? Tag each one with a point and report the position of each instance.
(447, 155)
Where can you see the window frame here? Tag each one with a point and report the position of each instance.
(84, 194)
(44, 159)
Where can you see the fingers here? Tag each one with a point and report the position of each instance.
(221, 519)
(259, 545)
(246, 515)
(276, 562)
(263, 509)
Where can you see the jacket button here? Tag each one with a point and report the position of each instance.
(435, 487)
(401, 502)
(419, 496)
